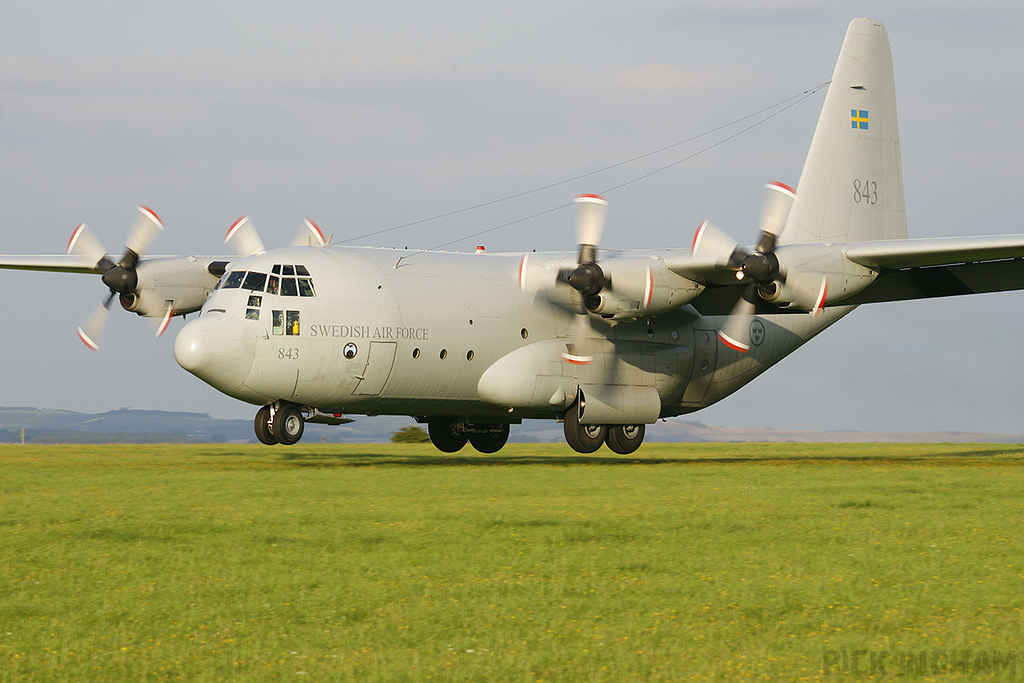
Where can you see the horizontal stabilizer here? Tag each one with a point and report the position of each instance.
(917, 253)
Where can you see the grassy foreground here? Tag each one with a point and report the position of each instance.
(391, 563)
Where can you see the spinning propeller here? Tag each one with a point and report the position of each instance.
(759, 269)
(121, 278)
(245, 241)
(587, 277)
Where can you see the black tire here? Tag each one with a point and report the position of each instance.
(490, 442)
(580, 437)
(446, 435)
(288, 424)
(261, 425)
(624, 439)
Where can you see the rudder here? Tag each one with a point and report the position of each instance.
(851, 187)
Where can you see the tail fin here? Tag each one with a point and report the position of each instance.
(851, 188)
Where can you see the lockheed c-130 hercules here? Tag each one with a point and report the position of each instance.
(314, 332)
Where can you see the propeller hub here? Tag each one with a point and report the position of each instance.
(760, 267)
(588, 279)
(120, 279)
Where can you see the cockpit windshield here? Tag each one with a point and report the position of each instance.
(275, 284)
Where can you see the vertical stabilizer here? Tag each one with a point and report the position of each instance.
(851, 188)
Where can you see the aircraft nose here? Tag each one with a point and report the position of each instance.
(218, 349)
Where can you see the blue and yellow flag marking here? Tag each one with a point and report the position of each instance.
(859, 118)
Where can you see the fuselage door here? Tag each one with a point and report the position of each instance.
(705, 348)
(378, 368)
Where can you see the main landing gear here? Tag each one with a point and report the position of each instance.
(587, 438)
(279, 423)
(449, 434)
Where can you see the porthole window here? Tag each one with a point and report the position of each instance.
(524, 333)
(444, 354)
(469, 355)
(415, 353)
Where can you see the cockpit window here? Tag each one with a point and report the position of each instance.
(287, 286)
(254, 281)
(233, 280)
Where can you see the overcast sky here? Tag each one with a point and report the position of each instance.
(369, 115)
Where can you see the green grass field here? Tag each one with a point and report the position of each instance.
(392, 563)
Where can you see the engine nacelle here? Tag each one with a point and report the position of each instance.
(184, 283)
(641, 287)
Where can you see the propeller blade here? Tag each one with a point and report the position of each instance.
(711, 243)
(590, 214)
(165, 321)
(84, 242)
(243, 238)
(572, 353)
(778, 199)
(144, 230)
(92, 329)
(735, 333)
(309, 234)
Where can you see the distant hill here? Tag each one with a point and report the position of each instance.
(45, 425)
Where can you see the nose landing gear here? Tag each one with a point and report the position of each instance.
(279, 423)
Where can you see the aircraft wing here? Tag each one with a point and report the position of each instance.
(927, 268)
(50, 262)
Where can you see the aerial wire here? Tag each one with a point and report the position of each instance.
(789, 102)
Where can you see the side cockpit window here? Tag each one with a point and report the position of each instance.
(233, 280)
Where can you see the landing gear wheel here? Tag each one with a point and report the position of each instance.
(624, 439)
(288, 424)
(582, 438)
(261, 425)
(446, 434)
(490, 442)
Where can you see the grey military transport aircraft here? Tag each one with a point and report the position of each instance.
(314, 332)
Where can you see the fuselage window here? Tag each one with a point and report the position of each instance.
(233, 280)
(288, 270)
(305, 287)
(252, 314)
(288, 287)
(291, 326)
(278, 322)
(254, 281)
(256, 301)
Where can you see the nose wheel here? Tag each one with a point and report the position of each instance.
(283, 425)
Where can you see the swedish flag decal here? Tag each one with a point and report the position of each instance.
(859, 118)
